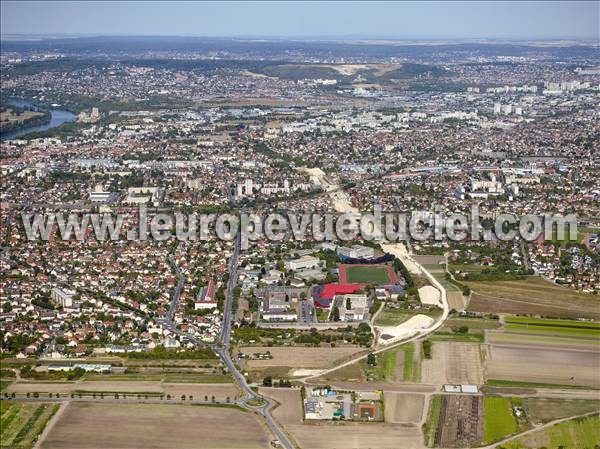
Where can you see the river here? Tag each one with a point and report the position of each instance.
(58, 117)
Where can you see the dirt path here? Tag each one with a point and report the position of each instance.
(51, 424)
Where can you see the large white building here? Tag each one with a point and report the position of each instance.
(302, 263)
(63, 297)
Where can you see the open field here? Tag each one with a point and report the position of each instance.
(576, 433)
(532, 296)
(121, 426)
(456, 300)
(297, 357)
(433, 416)
(366, 274)
(543, 359)
(498, 419)
(411, 368)
(350, 373)
(403, 407)
(433, 262)
(392, 317)
(474, 324)
(197, 390)
(566, 328)
(460, 421)
(385, 368)
(541, 410)
(289, 410)
(21, 423)
(348, 435)
(456, 363)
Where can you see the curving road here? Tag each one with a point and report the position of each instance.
(222, 350)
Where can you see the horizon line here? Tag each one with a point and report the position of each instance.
(346, 37)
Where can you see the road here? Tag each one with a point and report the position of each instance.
(222, 351)
(222, 348)
(178, 288)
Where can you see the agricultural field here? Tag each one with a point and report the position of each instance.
(566, 328)
(403, 407)
(498, 419)
(197, 390)
(542, 410)
(532, 296)
(527, 347)
(577, 433)
(84, 426)
(460, 421)
(433, 416)
(289, 410)
(352, 435)
(22, 423)
(550, 364)
(455, 363)
(411, 368)
(366, 274)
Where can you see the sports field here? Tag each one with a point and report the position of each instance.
(366, 274)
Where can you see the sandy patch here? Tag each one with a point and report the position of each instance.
(399, 250)
(392, 334)
(430, 296)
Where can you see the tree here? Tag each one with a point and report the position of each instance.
(268, 381)
(372, 359)
(335, 313)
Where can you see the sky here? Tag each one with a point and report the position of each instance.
(425, 19)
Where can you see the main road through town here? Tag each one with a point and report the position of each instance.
(264, 404)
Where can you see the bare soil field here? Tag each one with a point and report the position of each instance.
(456, 301)
(298, 357)
(453, 362)
(220, 391)
(532, 296)
(290, 409)
(122, 426)
(356, 435)
(403, 407)
(432, 261)
(544, 364)
(350, 373)
(461, 421)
